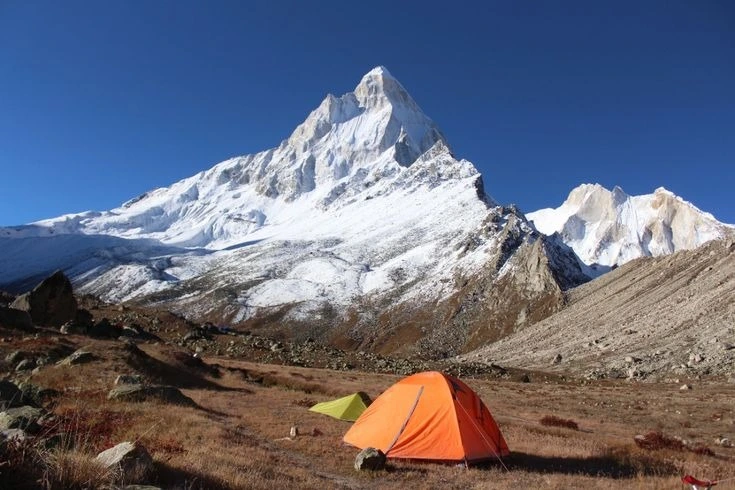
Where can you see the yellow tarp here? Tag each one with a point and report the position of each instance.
(349, 407)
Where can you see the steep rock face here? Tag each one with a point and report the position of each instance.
(361, 228)
(609, 228)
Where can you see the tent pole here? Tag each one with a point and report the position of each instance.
(405, 422)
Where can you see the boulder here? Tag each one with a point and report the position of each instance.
(25, 418)
(10, 395)
(130, 459)
(78, 357)
(51, 303)
(139, 393)
(370, 459)
(16, 319)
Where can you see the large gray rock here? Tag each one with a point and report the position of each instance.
(370, 459)
(78, 357)
(51, 303)
(129, 458)
(139, 393)
(25, 418)
(16, 319)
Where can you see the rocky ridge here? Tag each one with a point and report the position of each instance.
(668, 317)
(609, 228)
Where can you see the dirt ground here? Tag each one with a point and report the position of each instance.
(237, 434)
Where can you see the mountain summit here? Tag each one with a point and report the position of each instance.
(361, 228)
(610, 227)
(360, 144)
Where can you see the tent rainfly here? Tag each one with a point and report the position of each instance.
(429, 416)
(349, 407)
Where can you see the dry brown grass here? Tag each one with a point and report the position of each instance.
(74, 470)
(236, 437)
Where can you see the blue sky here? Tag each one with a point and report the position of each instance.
(101, 101)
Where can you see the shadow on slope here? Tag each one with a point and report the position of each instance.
(172, 367)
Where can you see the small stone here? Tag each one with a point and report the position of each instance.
(294, 432)
(127, 457)
(685, 387)
(724, 442)
(370, 459)
(129, 379)
(556, 360)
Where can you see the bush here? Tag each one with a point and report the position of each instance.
(655, 440)
(554, 421)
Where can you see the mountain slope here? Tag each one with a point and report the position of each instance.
(652, 316)
(609, 228)
(361, 228)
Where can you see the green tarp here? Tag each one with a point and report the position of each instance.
(349, 407)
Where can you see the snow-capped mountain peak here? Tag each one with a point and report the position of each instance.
(358, 127)
(610, 227)
(362, 217)
(379, 88)
(369, 142)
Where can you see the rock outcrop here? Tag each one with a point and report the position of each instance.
(51, 303)
(139, 393)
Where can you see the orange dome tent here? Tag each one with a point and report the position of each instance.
(429, 416)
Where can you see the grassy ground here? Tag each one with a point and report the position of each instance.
(236, 436)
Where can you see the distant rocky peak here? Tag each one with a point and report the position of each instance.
(611, 227)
